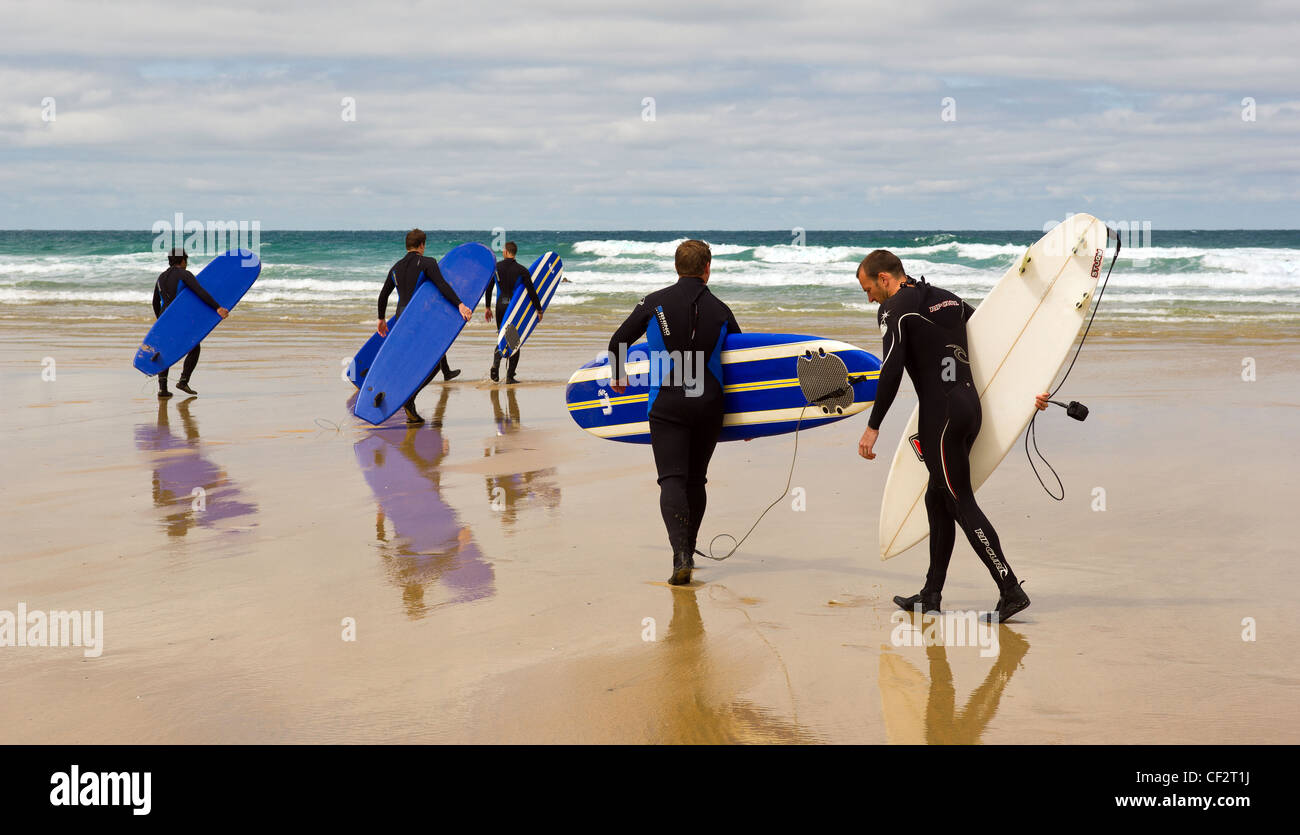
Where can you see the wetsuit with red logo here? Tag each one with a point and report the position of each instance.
(923, 328)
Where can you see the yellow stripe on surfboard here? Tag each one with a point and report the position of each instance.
(759, 385)
(729, 357)
(736, 419)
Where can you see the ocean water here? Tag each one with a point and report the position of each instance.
(1165, 276)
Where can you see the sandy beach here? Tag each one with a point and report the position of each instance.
(504, 571)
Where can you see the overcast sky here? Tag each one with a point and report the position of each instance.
(530, 115)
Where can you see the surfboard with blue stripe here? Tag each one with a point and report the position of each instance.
(762, 388)
(521, 316)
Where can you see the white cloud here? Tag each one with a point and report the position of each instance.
(799, 113)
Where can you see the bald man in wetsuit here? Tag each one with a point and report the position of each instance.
(923, 330)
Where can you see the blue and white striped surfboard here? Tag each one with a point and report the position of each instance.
(521, 316)
(765, 386)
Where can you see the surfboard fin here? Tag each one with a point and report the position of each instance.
(1024, 262)
(379, 399)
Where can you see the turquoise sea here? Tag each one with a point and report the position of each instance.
(1161, 276)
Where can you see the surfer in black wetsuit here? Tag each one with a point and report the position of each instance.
(923, 330)
(405, 276)
(164, 292)
(509, 272)
(687, 325)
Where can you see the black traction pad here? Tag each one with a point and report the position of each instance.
(824, 381)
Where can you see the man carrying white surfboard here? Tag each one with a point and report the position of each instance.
(684, 325)
(164, 292)
(923, 330)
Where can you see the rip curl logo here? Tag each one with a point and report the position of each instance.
(960, 353)
(884, 322)
(941, 305)
(988, 549)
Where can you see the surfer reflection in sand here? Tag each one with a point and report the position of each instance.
(429, 545)
(191, 488)
(938, 722)
(507, 492)
(694, 692)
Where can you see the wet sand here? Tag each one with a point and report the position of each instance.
(501, 565)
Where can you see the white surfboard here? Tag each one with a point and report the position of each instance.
(1019, 338)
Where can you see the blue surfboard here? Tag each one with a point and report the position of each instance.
(426, 329)
(521, 316)
(187, 320)
(770, 381)
(365, 356)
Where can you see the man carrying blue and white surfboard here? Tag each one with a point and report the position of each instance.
(509, 272)
(405, 276)
(685, 326)
(164, 293)
(923, 330)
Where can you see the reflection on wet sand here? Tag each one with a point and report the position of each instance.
(693, 714)
(677, 686)
(507, 493)
(186, 485)
(917, 714)
(429, 544)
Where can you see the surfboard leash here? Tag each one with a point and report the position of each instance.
(1074, 409)
(784, 492)
(833, 397)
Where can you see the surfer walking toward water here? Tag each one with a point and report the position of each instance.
(509, 272)
(685, 326)
(405, 276)
(923, 329)
(164, 292)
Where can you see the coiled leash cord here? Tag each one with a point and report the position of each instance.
(1074, 409)
(784, 492)
(847, 387)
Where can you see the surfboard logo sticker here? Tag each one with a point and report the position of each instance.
(915, 441)
(1096, 264)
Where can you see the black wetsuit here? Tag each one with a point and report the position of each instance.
(689, 323)
(405, 277)
(924, 331)
(164, 293)
(509, 272)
